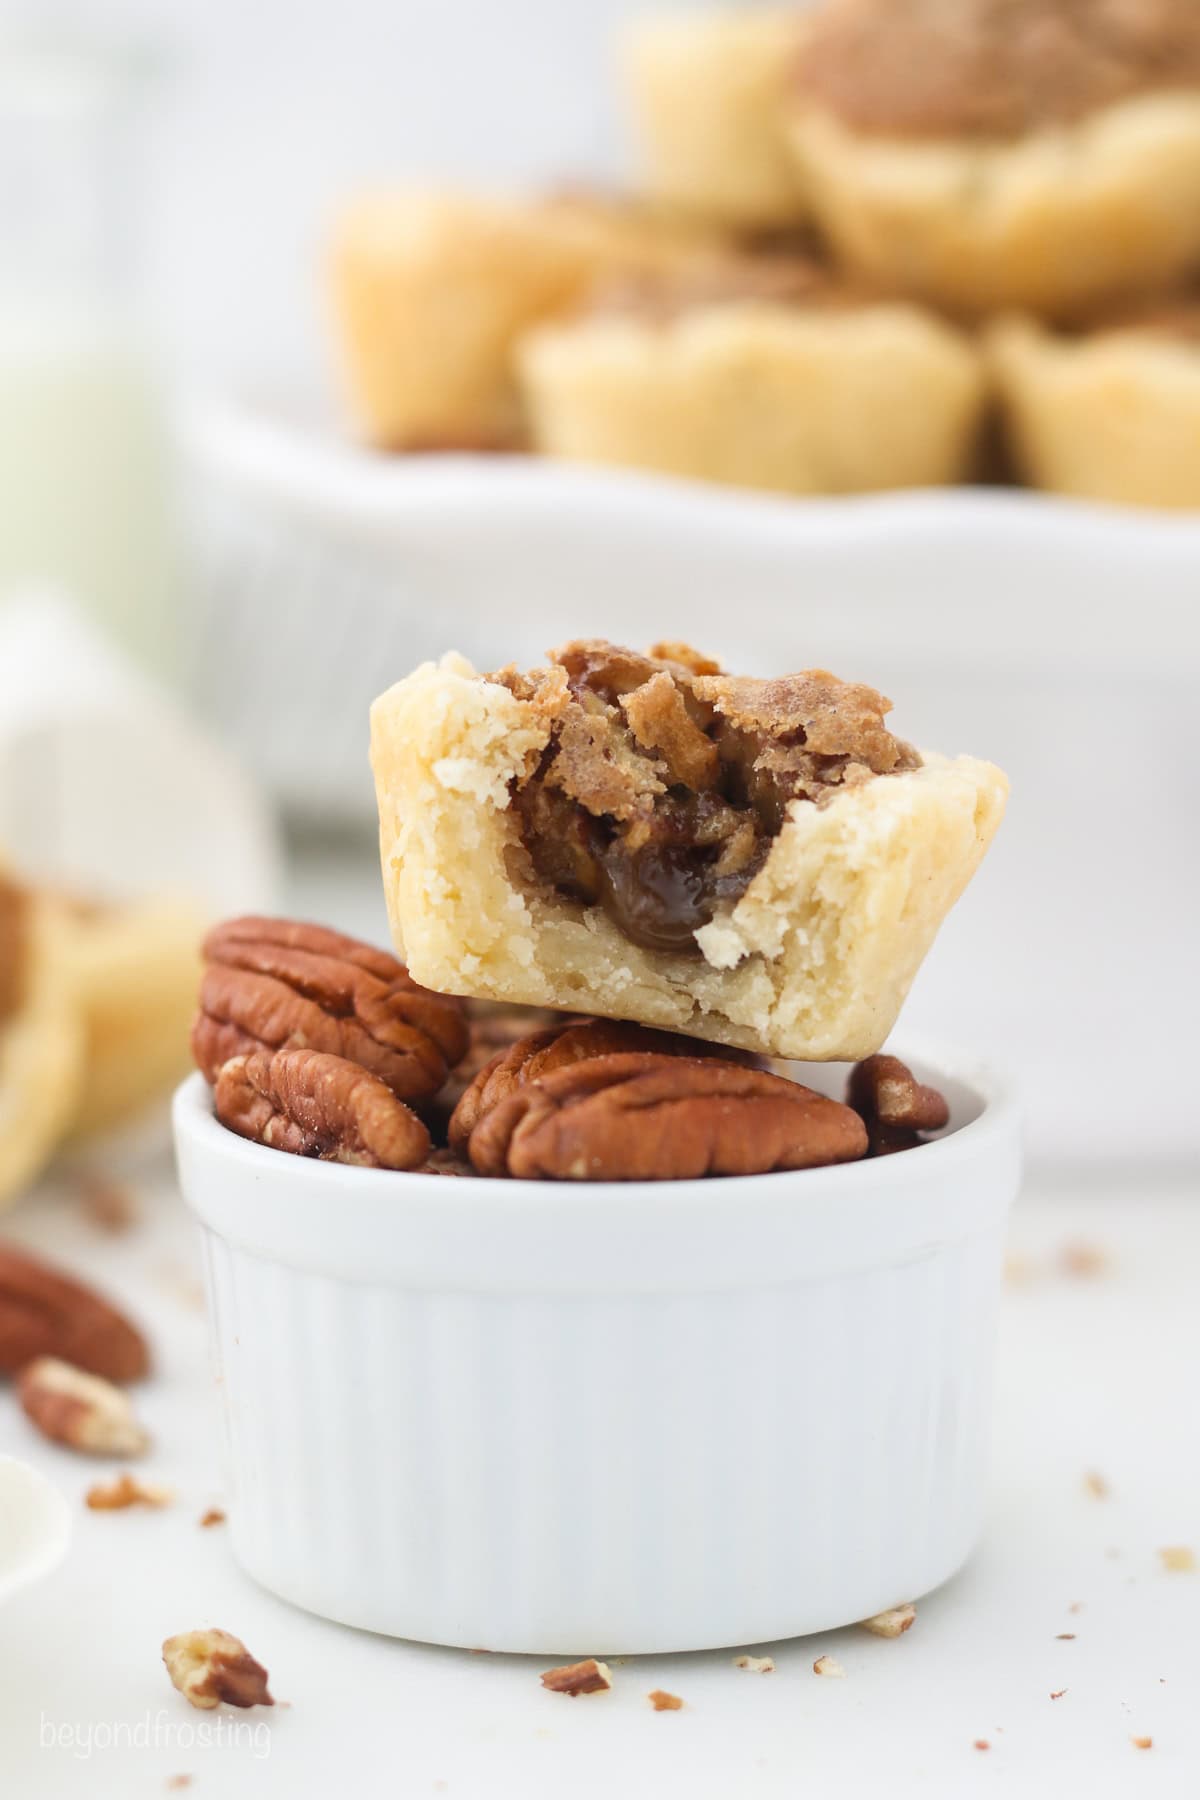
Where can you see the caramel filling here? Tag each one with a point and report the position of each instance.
(993, 68)
(665, 781)
(13, 932)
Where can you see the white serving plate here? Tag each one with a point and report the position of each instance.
(571, 1419)
(1058, 639)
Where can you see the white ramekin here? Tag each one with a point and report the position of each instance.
(599, 1418)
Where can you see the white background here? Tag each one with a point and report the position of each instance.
(269, 112)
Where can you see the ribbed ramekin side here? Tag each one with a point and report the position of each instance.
(606, 1473)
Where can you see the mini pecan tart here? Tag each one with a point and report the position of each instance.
(644, 1117)
(1041, 154)
(432, 290)
(1112, 413)
(763, 373)
(758, 863)
(275, 984)
(134, 970)
(41, 1036)
(708, 94)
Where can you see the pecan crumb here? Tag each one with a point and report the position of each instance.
(1084, 1260)
(214, 1516)
(108, 1205)
(829, 1665)
(1096, 1485)
(175, 1783)
(1064, 1636)
(1142, 1743)
(1076, 1606)
(1177, 1559)
(661, 1701)
(126, 1490)
(892, 1623)
(587, 1677)
(210, 1666)
(84, 1412)
(982, 1744)
(1057, 1693)
(761, 1665)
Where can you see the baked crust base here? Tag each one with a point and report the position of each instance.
(1055, 222)
(708, 93)
(812, 963)
(794, 399)
(1114, 416)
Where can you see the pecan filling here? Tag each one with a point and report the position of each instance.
(665, 781)
(13, 911)
(993, 68)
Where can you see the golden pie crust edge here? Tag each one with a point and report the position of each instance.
(1111, 416)
(1053, 222)
(793, 399)
(41, 1055)
(814, 962)
(707, 94)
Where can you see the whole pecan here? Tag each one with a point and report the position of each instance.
(274, 984)
(559, 1046)
(311, 1104)
(46, 1313)
(895, 1107)
(646, 1117)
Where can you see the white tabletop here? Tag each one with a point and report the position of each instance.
(1097, 1373)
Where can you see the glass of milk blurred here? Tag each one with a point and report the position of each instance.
(84, 492)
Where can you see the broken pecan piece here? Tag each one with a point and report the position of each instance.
(895, 1107)
(645, 1117)
(311, 1104)
(84, 1412)
(559, 1046)
(274, 984)
(587, 1677)
(46, 1313)
(210, 1666)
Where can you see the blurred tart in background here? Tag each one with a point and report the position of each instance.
(1108, 414)
(41, 1036)
(707, 93)
(432, 289)
(1033, 154)
(765, 373)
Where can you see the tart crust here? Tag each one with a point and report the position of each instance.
(797, 399)
(41, 1053)
(431, 290)
(1062, 219)
(1114, 415)
(708, 96)
(814, 961)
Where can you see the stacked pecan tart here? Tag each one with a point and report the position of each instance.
(862, 225)
(736, 874)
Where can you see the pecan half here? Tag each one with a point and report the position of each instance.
(210, 1666)
(310, 1104)
(661, 1118)
(84, 1412)
(46, 1313)
(275, 984)
(895, 1107)
(559, 1046)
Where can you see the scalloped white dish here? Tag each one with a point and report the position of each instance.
(1058, 639)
